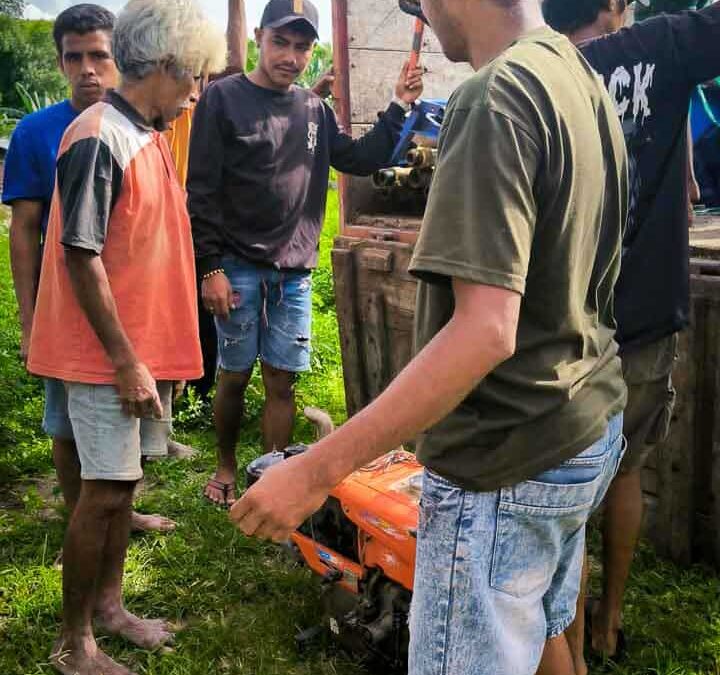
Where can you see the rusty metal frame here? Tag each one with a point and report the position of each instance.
(341, 92)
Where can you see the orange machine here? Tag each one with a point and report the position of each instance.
(362, 544)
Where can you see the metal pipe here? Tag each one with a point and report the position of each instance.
(419, 178)
(421, 157)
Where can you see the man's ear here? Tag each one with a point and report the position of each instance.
(259, 32)
(60, 66)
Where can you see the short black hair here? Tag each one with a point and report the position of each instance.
(81, 19)
(566, 16)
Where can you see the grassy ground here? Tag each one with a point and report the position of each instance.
(239, 602)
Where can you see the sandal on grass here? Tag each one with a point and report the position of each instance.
(226, 489)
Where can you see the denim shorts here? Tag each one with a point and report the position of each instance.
(271, 321)
(109, 442)
(498, 573)
(56, 421)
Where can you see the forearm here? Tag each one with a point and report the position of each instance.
(435, 382)
(25, 258)
(237, 35)
(372, 151)
(92, 290)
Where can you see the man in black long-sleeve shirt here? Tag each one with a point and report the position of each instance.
(651, 69)
(260, 156)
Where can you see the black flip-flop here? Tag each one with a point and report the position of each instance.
(620, 643)
(225, 488)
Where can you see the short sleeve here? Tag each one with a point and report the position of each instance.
(89, 180)
(481, 212)
(23, 178)
(695, 38)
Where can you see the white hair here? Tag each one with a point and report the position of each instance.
(174, 33)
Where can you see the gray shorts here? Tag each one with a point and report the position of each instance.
(651, 399)
(109, 441)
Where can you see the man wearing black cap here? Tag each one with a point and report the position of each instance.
(260, 155)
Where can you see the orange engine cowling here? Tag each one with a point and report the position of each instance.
(361, 542)
(381, 501)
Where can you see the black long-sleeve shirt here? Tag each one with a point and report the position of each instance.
(651, 69)
(258, 171)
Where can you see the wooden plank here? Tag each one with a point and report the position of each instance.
(353, 366)
(675, 457)
(649, 481)
(381, 25)
(376, 259)
(374, 341)
(373, 76)
(650, 517)
(710, 458)
(708, 320)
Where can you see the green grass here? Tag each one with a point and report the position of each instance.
(239, 601)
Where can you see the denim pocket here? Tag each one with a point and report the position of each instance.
(437, 494)
(537, 518)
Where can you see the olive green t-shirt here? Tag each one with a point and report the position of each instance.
(530, 195)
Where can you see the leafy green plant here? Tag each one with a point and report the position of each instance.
(28, 56)
(320, 62)
(32, 101)
(13, 8)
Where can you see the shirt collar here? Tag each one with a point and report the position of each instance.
(119, 103)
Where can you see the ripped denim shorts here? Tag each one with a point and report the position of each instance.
(271, 320)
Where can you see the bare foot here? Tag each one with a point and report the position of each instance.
(145, 633)
(180, 450)
(142, 522)
(86, 659)
(220, 489)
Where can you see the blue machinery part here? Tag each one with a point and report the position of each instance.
(425, 119)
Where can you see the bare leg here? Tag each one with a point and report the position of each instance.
(101, 503)
(149, 522)
(229, 408)
(109, 610)
(622, 521)
(279, 412)
(556, 659)
(67, 466)
(575, 633)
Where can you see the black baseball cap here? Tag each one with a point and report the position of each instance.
(280, 13)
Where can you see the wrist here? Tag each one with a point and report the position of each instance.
(213, 273)
(123, 360)
(401, 103)
(328, 469)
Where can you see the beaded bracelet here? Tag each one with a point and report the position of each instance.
(219, 270)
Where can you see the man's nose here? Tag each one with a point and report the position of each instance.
(88, 65)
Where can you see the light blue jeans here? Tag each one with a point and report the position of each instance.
(498, 573)
(271, 321)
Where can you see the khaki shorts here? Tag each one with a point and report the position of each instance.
(651, 399)
(109, 442)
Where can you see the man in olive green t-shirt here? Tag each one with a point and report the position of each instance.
(516, 384)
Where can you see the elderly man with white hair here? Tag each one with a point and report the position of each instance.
(116, 308)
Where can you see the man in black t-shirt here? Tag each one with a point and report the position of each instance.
(651, 69)
(260, 156)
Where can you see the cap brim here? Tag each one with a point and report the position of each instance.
(287, 20)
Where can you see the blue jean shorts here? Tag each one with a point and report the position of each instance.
(271, 320)
(498, 573)
(56, 421)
